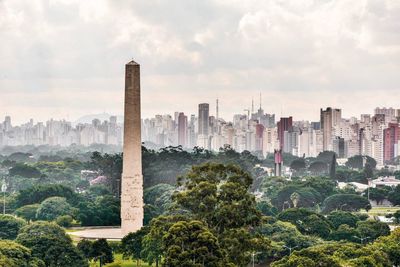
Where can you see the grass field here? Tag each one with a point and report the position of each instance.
(124, 263)
(381, 211)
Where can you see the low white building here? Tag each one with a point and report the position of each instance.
(384, 181)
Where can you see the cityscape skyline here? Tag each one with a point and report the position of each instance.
(19, 118)
(374, 134)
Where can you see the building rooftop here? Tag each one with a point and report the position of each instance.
(386, 179)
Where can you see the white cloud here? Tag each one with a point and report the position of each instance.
(69, 55)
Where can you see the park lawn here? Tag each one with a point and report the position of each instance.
(381, 211)
(124, 263)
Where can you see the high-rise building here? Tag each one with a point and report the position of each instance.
(390, 114)
(7, 123)
(203, 118)
(182, 129)
(330, 118)
(391, 136)
(283, 125)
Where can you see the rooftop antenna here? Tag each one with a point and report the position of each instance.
(260, 100)
(252, 105)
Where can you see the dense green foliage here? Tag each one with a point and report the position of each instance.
(50, 243)
(53, 207)
(27, 212)
(38, 193)
(201, 209)
(9, 226)
(15, 255)
(347, 202)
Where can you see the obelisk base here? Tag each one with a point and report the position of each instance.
(131, 203)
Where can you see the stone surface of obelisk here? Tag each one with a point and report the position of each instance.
(132, 178)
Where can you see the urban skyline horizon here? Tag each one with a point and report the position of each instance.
(77, 119)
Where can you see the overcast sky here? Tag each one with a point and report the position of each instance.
(65, 58)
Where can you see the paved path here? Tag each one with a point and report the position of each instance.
(107, 233)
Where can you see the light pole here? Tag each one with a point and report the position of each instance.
(253, 255)
(4, 189)
(289, 248)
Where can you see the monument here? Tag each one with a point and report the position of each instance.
(132, 178)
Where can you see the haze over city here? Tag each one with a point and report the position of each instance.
(188, 133)
(302, 55)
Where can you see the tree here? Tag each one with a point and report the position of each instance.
(218, 194)
(298, 164)
(132, 246)
(326, 156)
(307, 197)
(358, 162)
(24, 170)
(85, 248)
(50, 243)
(109, 165)
(13, 254)
(152, 243)
(38, 193)
(190, 244)
(335, 254)
(294, 215)
(307, 222)
(266, 208)
(52, 208)
(332, 168)
(20, 157)
(347, 202)
(102, 251)
(9, 226)
(390, 245)
(372, 229)
(368, 171)
(396, 216)
(27, 212)
(239, 245)
(394, 196)
(316, 225)
(338, 218)
(318, 167)
(285, 233)
(377, 194)
(103, 210)
(64, 221)
(344, 232)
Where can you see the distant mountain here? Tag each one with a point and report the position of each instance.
(102, 117)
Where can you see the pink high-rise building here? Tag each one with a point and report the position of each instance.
(391, 136)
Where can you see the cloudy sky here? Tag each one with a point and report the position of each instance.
(65, 58)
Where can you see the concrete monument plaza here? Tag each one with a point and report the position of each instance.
(132, 178)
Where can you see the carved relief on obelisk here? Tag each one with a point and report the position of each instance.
(132, 178)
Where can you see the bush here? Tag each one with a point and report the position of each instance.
(64, 221)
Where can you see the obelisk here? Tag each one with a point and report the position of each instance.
(132, 178)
